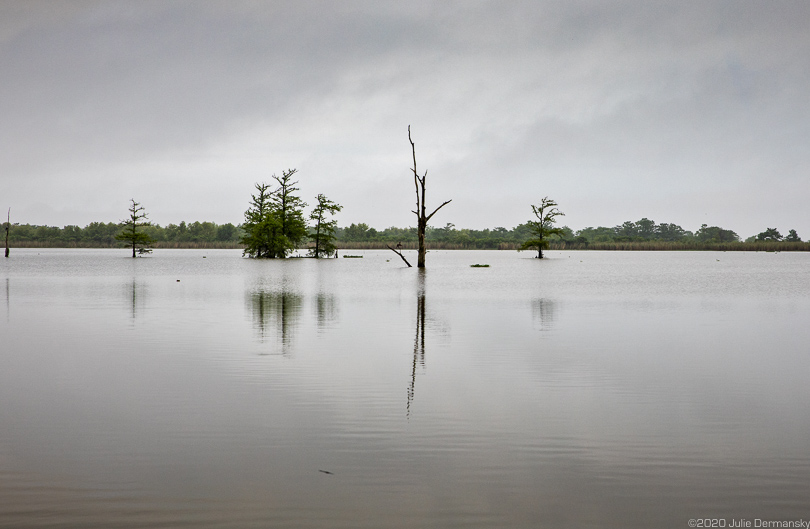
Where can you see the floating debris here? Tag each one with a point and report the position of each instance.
(479, 266)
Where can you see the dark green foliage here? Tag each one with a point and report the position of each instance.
(133, 234)
(770, 234)
(715, 234)
(274, 224)
(543, 228)
(226, 232)
(102, 235)
(323, 231)
(289, 210)
(263, 237)
(358, 232)
(792, 237)
(669, 232)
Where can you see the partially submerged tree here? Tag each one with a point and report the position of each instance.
(290, 210)
(132, 234)
(8, 227)
(274, 223)
(543, 227)
(323, 233)
(262, 229)
(421, 212)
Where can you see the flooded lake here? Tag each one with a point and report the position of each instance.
(194, 388)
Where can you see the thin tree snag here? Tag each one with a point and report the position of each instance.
(399, 253)
(421, 213)
(8, 227)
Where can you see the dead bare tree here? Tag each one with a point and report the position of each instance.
(8, 227)
(421, 212)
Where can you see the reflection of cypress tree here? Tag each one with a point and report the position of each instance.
(419, 338)
(283, 307)
(136, 292)
(134, 298)
(543, 309)
(326, 309)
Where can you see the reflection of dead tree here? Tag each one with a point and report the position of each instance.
(419, 339)
(399, 253)
(421, 213)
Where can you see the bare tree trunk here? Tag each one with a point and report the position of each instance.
(421, 212)
(8, 227)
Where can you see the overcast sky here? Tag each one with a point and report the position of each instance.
(688, 112)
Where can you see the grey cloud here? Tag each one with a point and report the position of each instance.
(634, 99)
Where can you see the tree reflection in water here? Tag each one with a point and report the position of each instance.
(326, 310)
(544, 312)
(419, 338)
(276, 313)
(137, 295)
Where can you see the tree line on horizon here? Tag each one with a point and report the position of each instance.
(100, 234)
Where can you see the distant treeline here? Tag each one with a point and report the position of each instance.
(101, 235)
(640, 235)
(644, 234)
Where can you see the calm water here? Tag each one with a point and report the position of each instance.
(592, 389)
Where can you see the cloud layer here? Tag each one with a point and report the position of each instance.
(680, 112)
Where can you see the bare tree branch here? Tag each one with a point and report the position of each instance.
(437, 209)
(399, 253)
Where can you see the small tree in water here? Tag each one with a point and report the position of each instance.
(324, 230)
(290, 211)
(543, 227)
(132, 235)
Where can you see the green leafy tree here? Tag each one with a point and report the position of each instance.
(323, 230)
(645, 228)
(132, 234)
(274, 223)
(543, 227)
(227, 232)
(289, 209)
(792, 236)
(262, 228)
(770, 234)
(357, 232)
(715, 234)
(669, 232)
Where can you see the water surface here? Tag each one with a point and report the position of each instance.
(592, 389)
